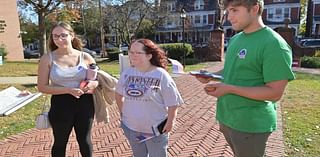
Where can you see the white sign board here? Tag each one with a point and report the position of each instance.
(177, 67)
(11, 100)
(1, 61)
(123, 62)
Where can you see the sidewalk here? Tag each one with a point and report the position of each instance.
(18, 80)
(195, 134)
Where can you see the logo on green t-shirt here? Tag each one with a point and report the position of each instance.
(242, 53)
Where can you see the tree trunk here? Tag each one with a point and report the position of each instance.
(42, 30)
(309, 19)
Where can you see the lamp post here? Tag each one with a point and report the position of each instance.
(183, 16)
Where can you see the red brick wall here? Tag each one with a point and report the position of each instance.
(10, 38)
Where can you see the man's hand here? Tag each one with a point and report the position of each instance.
(203, 79)
(216, 89)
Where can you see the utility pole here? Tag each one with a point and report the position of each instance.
(103, 48)
(84, 25)
(183, 16)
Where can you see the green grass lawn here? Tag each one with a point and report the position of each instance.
(300, 107)
(301, 116)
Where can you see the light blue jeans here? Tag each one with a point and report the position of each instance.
(155, 147)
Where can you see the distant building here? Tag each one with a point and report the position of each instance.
(275, 13)
(199, 21)
(10, 30)
(202, 16)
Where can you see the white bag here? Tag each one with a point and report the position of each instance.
(42, 120)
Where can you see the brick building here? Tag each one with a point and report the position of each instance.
(202, 16)
(199, 22)
(10, 35)
(274, 14)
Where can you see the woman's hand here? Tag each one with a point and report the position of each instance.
(90, 85)
(76, 92)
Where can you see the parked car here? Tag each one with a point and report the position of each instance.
(124, 47)
(91, 52)
(311, 43)
(31, 54)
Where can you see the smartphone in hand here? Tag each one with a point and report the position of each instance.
(205, 74)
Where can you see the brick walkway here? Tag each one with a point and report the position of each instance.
(196, 132)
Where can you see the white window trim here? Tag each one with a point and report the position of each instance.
(280, 17)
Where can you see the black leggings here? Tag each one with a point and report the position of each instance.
(67, 112)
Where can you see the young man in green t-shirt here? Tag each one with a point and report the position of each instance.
(256, 71)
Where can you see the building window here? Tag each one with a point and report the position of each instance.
(204, 19)
(171, 7)
(197, 19)
(199, 5)
(286, 13)
(270, 13)
(278, 14)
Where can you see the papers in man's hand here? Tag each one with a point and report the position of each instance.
(206, 74)
(12, 99)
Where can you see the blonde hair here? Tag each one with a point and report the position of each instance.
(76, 42)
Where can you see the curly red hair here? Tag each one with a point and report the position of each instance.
(159, 57)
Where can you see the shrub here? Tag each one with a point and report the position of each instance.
(310, 62)
(114, 49)
(175, 50)
(3, 51)
(192, 61)
(113, 55)
(317, 53)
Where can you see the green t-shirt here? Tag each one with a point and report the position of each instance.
(253, 59)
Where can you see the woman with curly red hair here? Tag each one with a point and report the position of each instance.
(146, 95)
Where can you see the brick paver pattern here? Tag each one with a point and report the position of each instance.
(196, 132)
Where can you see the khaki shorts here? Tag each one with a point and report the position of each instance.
(245, 144)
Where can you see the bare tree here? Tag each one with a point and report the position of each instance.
(125, 18)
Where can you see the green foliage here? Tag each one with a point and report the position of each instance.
(176, 50)
(3, 51)
(317, 54)
(114, 49)
(31, 31)
(303, 9)
(310, 62)
(146, 30)
(192, 61)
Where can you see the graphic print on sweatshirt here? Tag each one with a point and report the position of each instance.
(138, 86)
